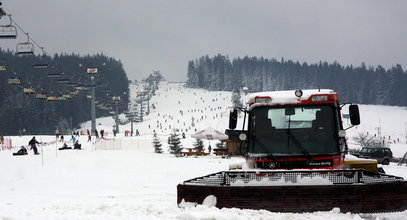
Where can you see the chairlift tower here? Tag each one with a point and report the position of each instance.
(92, 106)
(379, 131)
(116, 99)
(92, 72)
(405, 128)
(141, 109)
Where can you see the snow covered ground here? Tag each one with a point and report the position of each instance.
(135, 183)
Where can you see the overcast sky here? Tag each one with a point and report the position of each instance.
(164, 35)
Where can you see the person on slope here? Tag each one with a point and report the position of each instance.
(73, 139)
(33, 145)
(22, 151)
(77, 146)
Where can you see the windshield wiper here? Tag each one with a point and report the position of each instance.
(299, 145)
(264, 148)
(295, 141)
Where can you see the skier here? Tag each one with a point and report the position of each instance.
(77, 146)
(65, 147)
(96, 133)
(57, 133)
(22, 151)
(73, 139)
(102, 132)
(89, 138)
(33, 146)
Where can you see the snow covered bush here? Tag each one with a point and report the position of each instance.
(366, 140)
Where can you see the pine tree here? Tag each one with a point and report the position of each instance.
(192, 81)
(236, 98)
(175, 144)
(199, 144)
(157, 144)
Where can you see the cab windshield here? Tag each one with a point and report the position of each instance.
(295, 130)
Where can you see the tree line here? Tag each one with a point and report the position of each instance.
(66, 75)
(360, 84)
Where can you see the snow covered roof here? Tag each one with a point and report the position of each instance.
(288, 96)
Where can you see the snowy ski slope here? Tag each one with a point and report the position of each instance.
(135, 183)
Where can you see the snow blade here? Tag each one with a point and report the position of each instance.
(356, 191)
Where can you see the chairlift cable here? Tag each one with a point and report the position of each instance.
(29, 38)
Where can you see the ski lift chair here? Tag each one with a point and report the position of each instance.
(52, 98)
(42, 65)
(25, 48)
(41, 96)
(3, 65)
(14, 81)
(8, 31)
(67, 96)
(29, 91)
(74, 93)
(63, 80)
(53, 75)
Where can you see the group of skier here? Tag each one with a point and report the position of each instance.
(33, 145)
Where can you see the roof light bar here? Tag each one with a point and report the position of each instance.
(319, 98)
(263, 100)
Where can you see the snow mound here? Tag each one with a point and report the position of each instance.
(210, 201)
(184, 204)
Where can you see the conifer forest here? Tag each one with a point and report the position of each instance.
(359, 84)
(39, 94)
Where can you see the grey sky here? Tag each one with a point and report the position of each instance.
(163, 35)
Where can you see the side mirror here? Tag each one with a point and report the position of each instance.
(354, 114)
(232, 119)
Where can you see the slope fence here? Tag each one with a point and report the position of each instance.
(6, 144)
(122, 144)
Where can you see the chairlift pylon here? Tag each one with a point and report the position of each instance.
(8, 31)
(25, 48)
